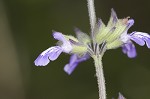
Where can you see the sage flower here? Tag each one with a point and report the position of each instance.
(52, 53)
(74, 61)
(102, 38)
(105, 37)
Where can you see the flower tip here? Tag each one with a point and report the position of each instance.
(130, 22)
(41, 61)
(121, 96)
(132, 56)
(58, 36)
(40, 64)
(67, 70)
(114, 15)
(129, 49)
(113, 11)
(55, 33)
(99, 22)
(141, 38)
(77, 30)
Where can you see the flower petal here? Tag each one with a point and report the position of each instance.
(42, 60)
(140, 38)
(59, 36)
(72, 64)
(54, 52)
(51, 53)
(138, 41)
(66, 46)
(124, 36)
(130, 23)
(129, 49)
(132, 52)
(147, 42)
(74, 61)
(70, 68)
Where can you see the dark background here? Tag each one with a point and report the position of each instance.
(26, 30)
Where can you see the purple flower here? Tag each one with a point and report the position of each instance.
(129, 49)
(52, 53)
(138, 37)
(74, 61)
(104, 37)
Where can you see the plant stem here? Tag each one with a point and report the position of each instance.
(97, 58)
(100, 76)
(92, 16)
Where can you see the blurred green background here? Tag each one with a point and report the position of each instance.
(26, 30)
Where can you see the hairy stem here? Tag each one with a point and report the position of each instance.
(92, 16)
(100, 76)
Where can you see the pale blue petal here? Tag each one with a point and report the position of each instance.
(66, 46)
(42, 60)
(74, 61)
(141, 38)
(59, 36)
(130, 23)
(51, 53)
(54, 52)
(147, 42)
(138, 40)
(129, 49)
(70, 68)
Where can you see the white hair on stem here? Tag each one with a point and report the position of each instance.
(92, 16)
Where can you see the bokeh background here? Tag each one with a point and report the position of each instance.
(26, 30)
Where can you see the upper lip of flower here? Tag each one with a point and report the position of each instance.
(66, 45)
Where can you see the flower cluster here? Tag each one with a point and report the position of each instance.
(111, 36)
